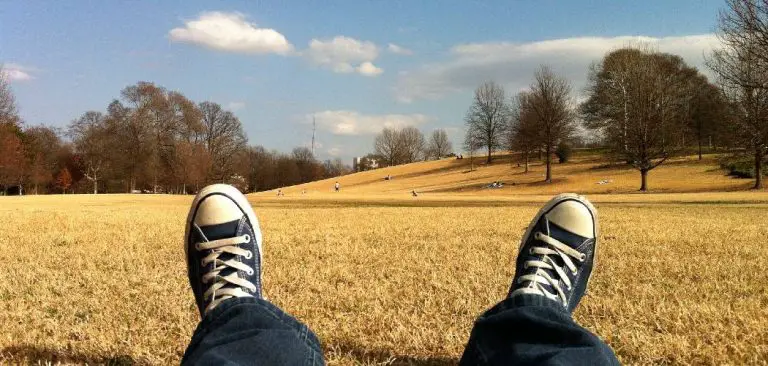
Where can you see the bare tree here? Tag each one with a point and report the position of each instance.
(194, 164)
(609, 88)
(412, 142)
(8, 112)
(181, 139)
(524, 130)
(486, 118)
(131, 125)
(707, 113)
(259, 168)
(42, 146)
(12, 162)
(223, 136)
(309, 168)
(89, 134)
(551, 107)
(388, 145)
(742, 69)
(439, 145)
(335, 168)
(645, 124)
(472, 142)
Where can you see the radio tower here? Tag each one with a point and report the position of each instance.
(313, 135)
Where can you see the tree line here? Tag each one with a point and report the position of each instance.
(148, 140)
(645, 106)
(393, 146)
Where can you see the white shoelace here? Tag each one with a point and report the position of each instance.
(541, 277)
(216, 293)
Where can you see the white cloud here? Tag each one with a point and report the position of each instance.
(399, 50)
(235, 106)
(230, 32)
(513, 64)
(369, 69)
(343, 122)
(334, 151)
(344, 55)
(16, 72)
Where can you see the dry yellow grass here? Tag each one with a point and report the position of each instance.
(680, 175)
(382, 277)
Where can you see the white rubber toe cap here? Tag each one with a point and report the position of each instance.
(217, 209)
(575, 217)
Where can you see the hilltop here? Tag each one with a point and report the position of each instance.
(589, 172)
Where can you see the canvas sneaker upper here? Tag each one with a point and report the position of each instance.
(557, 251)
(223, 247)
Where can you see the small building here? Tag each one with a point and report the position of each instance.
(363, 163)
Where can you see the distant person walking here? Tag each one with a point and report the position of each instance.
(531, 326)
(337, 186)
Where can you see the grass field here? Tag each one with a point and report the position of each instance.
(385, 278)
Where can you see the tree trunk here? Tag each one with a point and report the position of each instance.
(95, 186)
(699, 147)
(643, 180)
(549, 164)
(526, 161)
(489, 156)
(758, 169)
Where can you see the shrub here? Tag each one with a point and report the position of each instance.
(564, 152)
(741, 167)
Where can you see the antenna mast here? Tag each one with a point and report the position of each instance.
(313, 135)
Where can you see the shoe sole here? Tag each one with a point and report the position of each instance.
(552, 203)
(239, 199)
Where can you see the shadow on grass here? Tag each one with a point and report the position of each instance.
(387, 357)
(35, 355)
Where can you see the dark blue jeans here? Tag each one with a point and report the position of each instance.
(525, 330)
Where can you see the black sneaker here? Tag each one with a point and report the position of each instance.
(223, 247)
(557, 251)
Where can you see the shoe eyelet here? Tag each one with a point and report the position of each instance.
(583, 257)
(197, 246)
(249, 255)
(202, 263)
(247, 238)
(537, 235)
(530, 251)
(249, 272)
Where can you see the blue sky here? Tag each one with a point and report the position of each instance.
(355, 65)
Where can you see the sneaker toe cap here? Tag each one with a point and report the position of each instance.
(217, 209)
(573, 216)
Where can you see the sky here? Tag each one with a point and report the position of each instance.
(354, 66)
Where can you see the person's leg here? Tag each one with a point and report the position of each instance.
(250, 331)
(224, 261)
(534, 325)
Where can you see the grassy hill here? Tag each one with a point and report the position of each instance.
(583, 175)
(386, 278)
